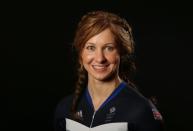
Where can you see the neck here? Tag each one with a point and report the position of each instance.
(100, 90)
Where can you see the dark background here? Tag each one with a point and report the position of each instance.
(37, 64)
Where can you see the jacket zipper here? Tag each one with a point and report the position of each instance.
(92, 119)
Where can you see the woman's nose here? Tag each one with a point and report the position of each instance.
(100, 57)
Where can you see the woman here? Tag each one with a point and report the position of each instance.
(105, 99)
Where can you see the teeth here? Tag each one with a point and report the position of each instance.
(99, 67)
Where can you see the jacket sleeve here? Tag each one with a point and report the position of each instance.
(149, 118)
(59, 121)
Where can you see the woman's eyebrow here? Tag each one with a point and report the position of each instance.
(106, 44)
(113, 44)
(88, 43)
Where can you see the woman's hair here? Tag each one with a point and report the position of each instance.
(92, 24)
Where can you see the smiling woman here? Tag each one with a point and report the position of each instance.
(105, 99)
(100, 57)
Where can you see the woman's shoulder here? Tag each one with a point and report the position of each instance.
(135, 97)
(132, 92)
(64, 105)
(141, 104)
(65, 100)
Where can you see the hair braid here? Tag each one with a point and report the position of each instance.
(80, 85)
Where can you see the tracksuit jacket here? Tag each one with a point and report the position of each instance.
(124, 110)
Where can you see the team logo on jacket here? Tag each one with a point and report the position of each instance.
(79, 114)
(156, 114)
(111, 114)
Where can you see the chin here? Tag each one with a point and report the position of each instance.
(106, 77)
(101, 78)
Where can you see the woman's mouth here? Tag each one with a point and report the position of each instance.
(100, 67)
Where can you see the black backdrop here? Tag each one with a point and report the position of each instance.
(38, 65)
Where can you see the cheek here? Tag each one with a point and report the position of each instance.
(114, 59)
(86, 59)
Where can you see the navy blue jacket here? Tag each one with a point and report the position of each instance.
(124, 110)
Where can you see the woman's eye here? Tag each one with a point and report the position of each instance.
(109, 48)
(91, 48)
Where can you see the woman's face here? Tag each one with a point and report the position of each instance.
(100, 56)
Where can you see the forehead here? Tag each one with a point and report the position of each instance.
(104, 37)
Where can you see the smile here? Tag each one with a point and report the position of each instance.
(100, 67)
